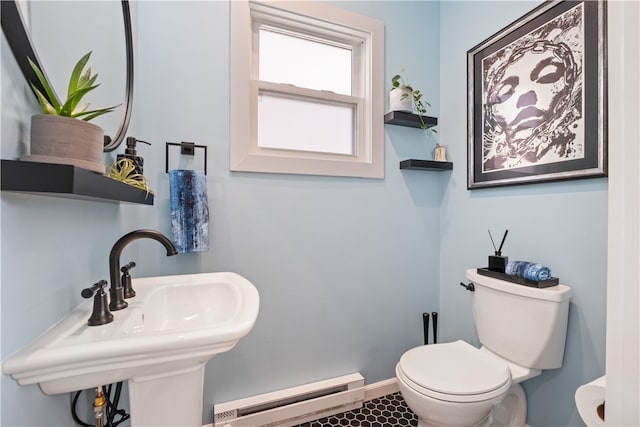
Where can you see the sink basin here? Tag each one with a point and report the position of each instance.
(160, 344)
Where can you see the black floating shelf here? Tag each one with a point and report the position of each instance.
(67, 181)
(425, 165)
(402, 118)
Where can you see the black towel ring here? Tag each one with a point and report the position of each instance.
(186, 148)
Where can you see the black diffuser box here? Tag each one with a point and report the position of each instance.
(498, 263)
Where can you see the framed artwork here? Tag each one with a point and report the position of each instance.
(537, 98)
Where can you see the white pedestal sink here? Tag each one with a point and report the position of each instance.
(159, 344)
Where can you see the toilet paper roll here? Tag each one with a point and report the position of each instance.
(590, 402)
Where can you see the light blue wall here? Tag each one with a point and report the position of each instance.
(344, 266)
(563, 225)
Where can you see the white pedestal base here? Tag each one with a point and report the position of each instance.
(173, 399)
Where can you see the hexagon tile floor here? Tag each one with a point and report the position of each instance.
(386, 411)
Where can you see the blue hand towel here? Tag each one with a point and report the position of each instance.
(189, 210)
(528, 270)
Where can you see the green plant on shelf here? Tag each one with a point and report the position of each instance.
(400, 81)
(80, 83)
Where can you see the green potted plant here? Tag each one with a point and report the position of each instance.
(403, 97)
(62, 134)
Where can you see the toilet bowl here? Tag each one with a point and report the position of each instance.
(452, 384)
(458, 385)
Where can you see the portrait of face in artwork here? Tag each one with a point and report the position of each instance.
(532, 106)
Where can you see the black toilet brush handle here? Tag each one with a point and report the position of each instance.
(425, 327)
(434, 315)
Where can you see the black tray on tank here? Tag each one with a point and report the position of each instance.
(519, 280)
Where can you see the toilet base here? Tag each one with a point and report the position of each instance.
(484, 423)
(512, 411)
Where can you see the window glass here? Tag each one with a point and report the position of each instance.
(296, 124)
(291, 58)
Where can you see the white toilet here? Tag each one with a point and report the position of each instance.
(522, 331)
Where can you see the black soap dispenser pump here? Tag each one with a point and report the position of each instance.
(131, 154)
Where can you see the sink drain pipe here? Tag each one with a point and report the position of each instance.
(98, 407)
(104, 408)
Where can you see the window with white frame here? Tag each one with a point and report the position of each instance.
(306, 90)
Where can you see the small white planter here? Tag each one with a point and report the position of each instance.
(67, 141)
(400, 100)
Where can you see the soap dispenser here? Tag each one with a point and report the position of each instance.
(131, 154)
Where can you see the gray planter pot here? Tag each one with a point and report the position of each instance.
(68, 141)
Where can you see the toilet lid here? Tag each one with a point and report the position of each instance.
(455, 368)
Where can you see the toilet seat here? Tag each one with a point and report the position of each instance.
(454, 372)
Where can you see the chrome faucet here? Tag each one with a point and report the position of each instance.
(116, 290)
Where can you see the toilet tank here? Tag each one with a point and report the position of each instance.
(525, 325)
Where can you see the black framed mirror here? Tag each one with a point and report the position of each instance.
(20, 41)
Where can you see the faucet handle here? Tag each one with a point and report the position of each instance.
(126, 280)
(127, 267)
(89, 292)
(101, 314)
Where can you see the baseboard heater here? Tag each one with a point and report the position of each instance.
(294, 405)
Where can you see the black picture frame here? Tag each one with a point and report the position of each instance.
(537, 107)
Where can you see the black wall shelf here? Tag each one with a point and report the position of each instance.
(425, 165)
(402, 118)
(67, 181)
